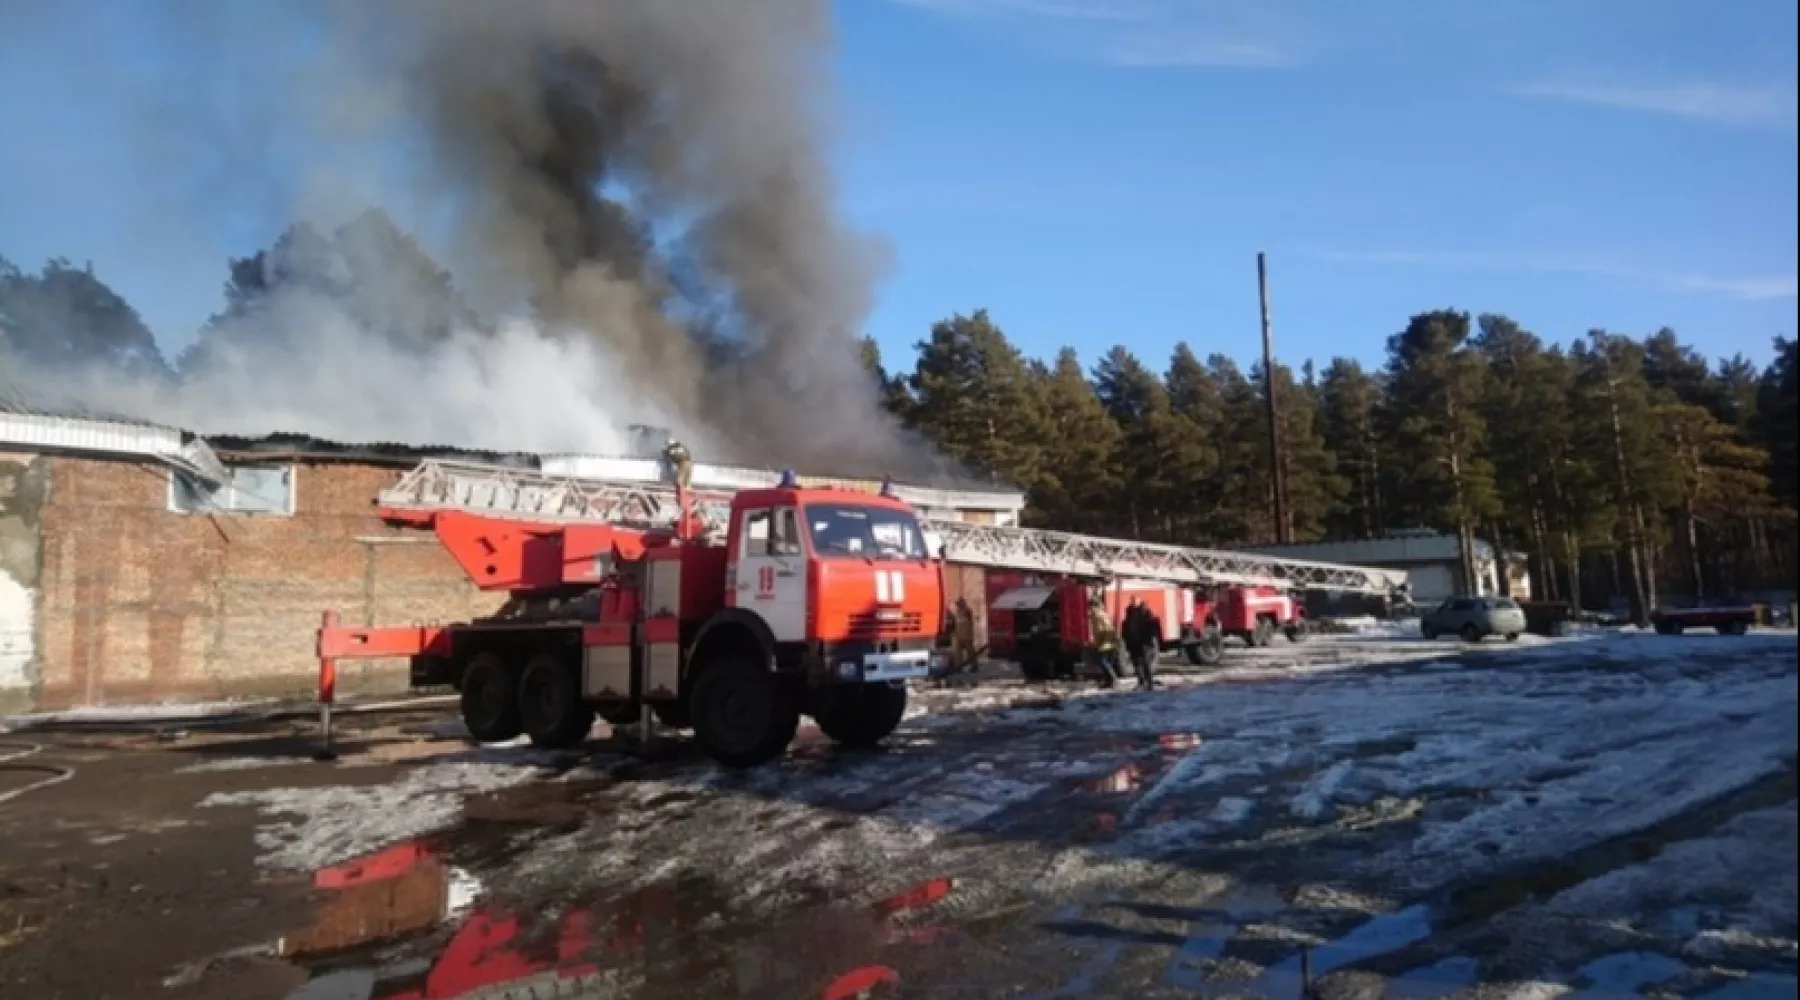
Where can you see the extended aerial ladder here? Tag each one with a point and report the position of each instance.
(529, 494)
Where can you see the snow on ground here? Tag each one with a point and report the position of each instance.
(154, 712)
(1380, 771)
(310, 828)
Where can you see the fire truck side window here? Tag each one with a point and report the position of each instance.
(756, 533)
(785, 541)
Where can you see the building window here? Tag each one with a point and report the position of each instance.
(253, 489)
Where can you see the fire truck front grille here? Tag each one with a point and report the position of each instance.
(875, 625)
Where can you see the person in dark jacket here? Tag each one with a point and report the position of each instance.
(1143, 641)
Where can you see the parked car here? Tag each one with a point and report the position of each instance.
(1474, 618)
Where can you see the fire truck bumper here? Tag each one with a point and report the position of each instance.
(897, 666)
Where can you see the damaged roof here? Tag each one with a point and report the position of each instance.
(293, 445)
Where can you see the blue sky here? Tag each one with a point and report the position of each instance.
(1104, 171)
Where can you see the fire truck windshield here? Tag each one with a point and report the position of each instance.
(844, 531)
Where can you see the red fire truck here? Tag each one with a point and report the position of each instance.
(789, 601)
(1040, 621)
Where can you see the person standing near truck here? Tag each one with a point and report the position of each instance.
(962, 636)
(1103, 639)
(1143, 641)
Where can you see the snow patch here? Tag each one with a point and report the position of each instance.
(235, 764)
(1315, 799)
(174, 711)
(310, 828)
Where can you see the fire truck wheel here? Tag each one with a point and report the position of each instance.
(1295, 632)
(550, 704)
(1204, 652)
(490, 700)
(1036, 670)
(743, 716)
(861, 715)
(1264, 633)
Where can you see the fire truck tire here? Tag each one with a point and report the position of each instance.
(550, 705)
(490, 699)
(1295, 632)
(1204, 652)
(1036, 670)
(743, 715)
(860, 716)
(1263, 634)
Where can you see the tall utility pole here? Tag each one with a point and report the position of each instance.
(1284, 528)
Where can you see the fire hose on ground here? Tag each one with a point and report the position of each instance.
(56, 773)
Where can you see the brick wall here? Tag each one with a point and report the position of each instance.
(140, 603)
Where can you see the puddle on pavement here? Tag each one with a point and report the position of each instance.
(1439, 979)
(1140, 768)
(1756, 986)
(1625, 974)
(1288, 978)
(405, 923)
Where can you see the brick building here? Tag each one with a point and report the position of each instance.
(142, 563)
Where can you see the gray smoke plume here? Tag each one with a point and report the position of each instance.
(636, 189)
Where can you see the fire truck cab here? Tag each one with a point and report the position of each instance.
(1253, 614)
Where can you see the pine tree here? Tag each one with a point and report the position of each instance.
(1243, 510)
(1777, 421)
(1615, 413)
(1314, 488)
(1349, 404)
(1139, 403)
(1434, 389)
(1721, 481)
(973, 395)
(1193, 464)
(1080, 488)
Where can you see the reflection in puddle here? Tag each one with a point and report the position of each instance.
(1757, 986)
(1215, 925)
(1439, 979)
(1376, 936)
(1118, 782)
(1625, 973)
(674, 934)
(393, 892)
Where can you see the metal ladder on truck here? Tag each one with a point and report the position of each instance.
(1057, 553)
(528, 494)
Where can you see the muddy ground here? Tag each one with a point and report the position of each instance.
(1612, 816)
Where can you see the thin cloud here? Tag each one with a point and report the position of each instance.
(1138, 34)
(1766, 106)
(1746, 288)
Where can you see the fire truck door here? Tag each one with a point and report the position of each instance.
(771, 572)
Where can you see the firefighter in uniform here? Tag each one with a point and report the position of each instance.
(962, 637)
(680, 463)
(1103, 639)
